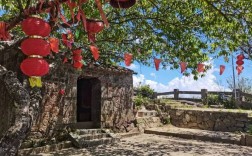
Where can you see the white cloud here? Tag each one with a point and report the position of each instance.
(153, 75)
(183, 83)
(133, 66)
(189, 84)
(138, 80)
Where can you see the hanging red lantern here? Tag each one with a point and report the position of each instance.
(222, 68)
(127, 58)
(239, 69)
(94, 26)
(77, 57)
(54, 44)
(95, 52)
(4, 35)
(239, 62)
(122, 3)
(77, 52)
(183, 66)
(77, 64)
(157, 62)
(34, 67)
(36, 26)
(200, 67)
(240, 57)
(35, 46)
(91, 37)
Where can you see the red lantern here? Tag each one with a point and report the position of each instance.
(240, 57)
(77, 52)
(34, 67)
(157, 62)
(54, 43)
(222, 68)
(36, 26)
(35, 46)
(183, 66)
(95, 52)
(77, 57)
(94, 26)
(122, 3)
(127, 59)
(239, 62)
(201, 67)
(77, 64)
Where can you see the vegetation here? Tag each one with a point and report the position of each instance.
(145, 91)
(175, 31)
(228, 103)
(244, 84)
(250, 129)
(140, 100)
(144, 94)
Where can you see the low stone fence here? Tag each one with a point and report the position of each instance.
(210, 119)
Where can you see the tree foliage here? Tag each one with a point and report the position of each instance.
(185, 30)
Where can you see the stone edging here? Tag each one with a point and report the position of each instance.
(45, 149)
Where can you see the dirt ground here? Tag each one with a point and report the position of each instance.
(154, 145)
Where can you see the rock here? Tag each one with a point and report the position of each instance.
(179, 112)
(187, 118)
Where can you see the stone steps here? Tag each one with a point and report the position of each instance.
(96, 142)
(196, 134)
(82, 138)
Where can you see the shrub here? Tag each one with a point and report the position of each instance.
(140, 100)
(213, 100)
(145, 91)
(229, 104)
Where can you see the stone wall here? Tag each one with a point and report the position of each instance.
(7, 110)
(210, 119)
(113, 109)
(116, 99)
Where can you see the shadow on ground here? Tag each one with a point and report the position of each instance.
(157, 146)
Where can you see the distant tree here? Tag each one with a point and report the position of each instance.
(244, 84)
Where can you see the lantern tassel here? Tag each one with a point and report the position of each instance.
(104, 18)
(95, 52)
(83, 18)
(35, 81)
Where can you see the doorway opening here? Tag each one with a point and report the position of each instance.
(89, 102)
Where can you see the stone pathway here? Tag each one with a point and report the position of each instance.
(155, 145)
(197, 134)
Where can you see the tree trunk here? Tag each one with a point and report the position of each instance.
(27, 104)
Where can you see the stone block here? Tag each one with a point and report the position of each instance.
(187, 117)
(179, 112)
(249, 140)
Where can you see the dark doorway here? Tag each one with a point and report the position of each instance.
(89, 101)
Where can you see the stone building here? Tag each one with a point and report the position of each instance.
(95, 97)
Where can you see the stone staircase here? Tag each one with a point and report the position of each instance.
(82, 138)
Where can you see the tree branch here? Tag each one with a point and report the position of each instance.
(31, 11)
(20, 6)
(218, 10)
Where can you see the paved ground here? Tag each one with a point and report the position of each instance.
(154, 145)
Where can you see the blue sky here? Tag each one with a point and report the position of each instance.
(167, 80)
